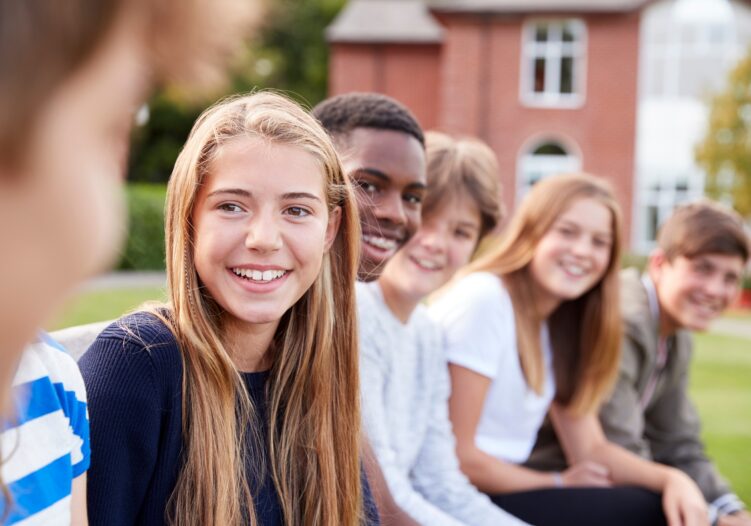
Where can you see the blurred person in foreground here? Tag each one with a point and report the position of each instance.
(691, 278)
(72, 74)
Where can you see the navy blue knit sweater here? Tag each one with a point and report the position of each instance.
(133, 376)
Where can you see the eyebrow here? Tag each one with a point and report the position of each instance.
(383, 177)
(568, 222)
(230, 191)
(244, 193)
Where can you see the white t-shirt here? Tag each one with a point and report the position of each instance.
(478, 319)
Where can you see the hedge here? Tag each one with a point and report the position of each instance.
(144, 249)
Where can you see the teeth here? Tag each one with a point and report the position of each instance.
(430, 265)
(257, 275)
(575, 270)
(381, 242)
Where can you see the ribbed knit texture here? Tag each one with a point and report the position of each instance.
(405, 389)
(133, 375)
(134, 379)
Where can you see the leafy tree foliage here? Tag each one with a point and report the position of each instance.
(725, 152)
(288, 53)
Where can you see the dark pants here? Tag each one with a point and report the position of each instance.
(585, 507)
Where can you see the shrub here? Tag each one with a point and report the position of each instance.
(144, 249)
(632, 259)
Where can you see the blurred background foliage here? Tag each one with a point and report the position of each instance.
(725, 152)
(287, 53)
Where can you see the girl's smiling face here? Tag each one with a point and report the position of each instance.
(444, 242)
(261, 228)
(574, 253)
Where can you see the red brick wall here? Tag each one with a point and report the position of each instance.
(409, 73)
(472, 86)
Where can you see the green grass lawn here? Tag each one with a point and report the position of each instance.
(720, 382)
(721, 389)
(102, 305)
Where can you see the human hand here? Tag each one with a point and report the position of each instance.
(587, 473)
(740, 518)
(682, 501)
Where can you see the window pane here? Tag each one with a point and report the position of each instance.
(569, 34)
(567, 75)
(549, 148)
(541, 33)
(539, 84)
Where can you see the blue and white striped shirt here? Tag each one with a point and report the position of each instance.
(46, 444)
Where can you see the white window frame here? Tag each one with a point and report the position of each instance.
(552, 51)
(546, 164)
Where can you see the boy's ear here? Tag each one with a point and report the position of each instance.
(335, 219)
(657, 259)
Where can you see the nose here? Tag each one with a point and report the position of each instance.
(264, 233)
(391, 207)
(432, 239)
(582, 246)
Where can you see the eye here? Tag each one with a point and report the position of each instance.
(462, 233)
(732, 279)
(413, 199)
(297, 211)
(230, 207)
(566, 231)
(703, 268)
(602, 242)
(366, 186)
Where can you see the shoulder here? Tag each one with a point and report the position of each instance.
(638, 324)
(633, 298)
(479, 293)
(140, 329)
(137, 353)
(48, 359)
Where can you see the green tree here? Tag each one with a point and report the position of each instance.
(288, 53)
(725, 152)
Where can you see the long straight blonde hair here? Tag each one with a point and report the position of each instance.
(586, 331)
(313, 398)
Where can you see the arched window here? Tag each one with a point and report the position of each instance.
(543, 160)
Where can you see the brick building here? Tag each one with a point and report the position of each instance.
(617, 88)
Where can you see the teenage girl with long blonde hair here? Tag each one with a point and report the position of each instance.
(237, 401)
(534, 325)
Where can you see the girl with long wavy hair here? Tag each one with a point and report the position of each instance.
(237, 401)
(533, 326)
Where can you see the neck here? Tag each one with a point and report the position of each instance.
(668, 327)
(400, 304)
(545, 303)
(249, 344)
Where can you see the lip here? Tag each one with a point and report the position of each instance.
(376, 254)
(415, 261)
(258, 287)
(585, 273)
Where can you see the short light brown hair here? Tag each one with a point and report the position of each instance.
(703, 227)
(43, 42)
(463, 165)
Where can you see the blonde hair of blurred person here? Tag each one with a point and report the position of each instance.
(312, 391)
(72, 74)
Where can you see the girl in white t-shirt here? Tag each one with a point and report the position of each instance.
(534, 326)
